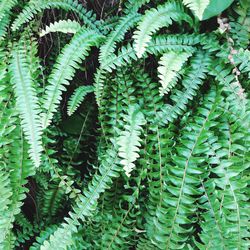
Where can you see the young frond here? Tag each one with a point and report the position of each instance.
(197, 6)
(170, 64)
(27, 101)
(77, 98)
(129, 140)
(64, 26)
(153, 20)
(64, 69)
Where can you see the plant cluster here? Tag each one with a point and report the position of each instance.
(127, 129)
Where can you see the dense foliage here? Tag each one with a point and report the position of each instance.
(124, 124)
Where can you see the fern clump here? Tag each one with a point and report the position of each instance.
(124, 124)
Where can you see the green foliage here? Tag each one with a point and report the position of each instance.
(153, 20)
(27, 101)
(170, 64)
(64, 26)
(72, 54)
(129, 140)
(77, 98)
(158, 158)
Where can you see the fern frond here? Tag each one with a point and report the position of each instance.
(64, 69)
(177, 208)
(129, 141)
(19, 162)
(192, 79)
(34, 7)
(197, 6)
(64, 26)
(87, 203)
(117, 35)
(231, 86)
(27, 102)
(153, 20)
(5, 199)
(170, 64)
(5, 7)
(77, 98)
(242, 58)
(226, 201)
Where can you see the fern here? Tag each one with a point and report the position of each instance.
(34, 7)
(117, 35)
(67, 60)
(170, 64)
(155, 19)
(64, 26)
(141, 169)
(183, 179)
(77, 98)
(197, 6)
(129, 140)
(27, 102)
(5, 202)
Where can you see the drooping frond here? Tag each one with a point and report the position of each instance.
(77, 98)
(129, 141)
(27, 101)
(153, 20)
(64, 68)
(34, 7)
(170, 64)
(64, 26)
(197, 6)
(178, 209)
(87, 203)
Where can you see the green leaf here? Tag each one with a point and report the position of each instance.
(215, 8)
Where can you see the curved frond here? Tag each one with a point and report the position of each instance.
(117, 35)
(77, 98)
(64, 69)
(153, 20)
(64, 26)
(34, 7)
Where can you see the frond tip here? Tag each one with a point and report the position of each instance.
(129, 141)
(170, 63)
(64, 26)
(77, 98)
